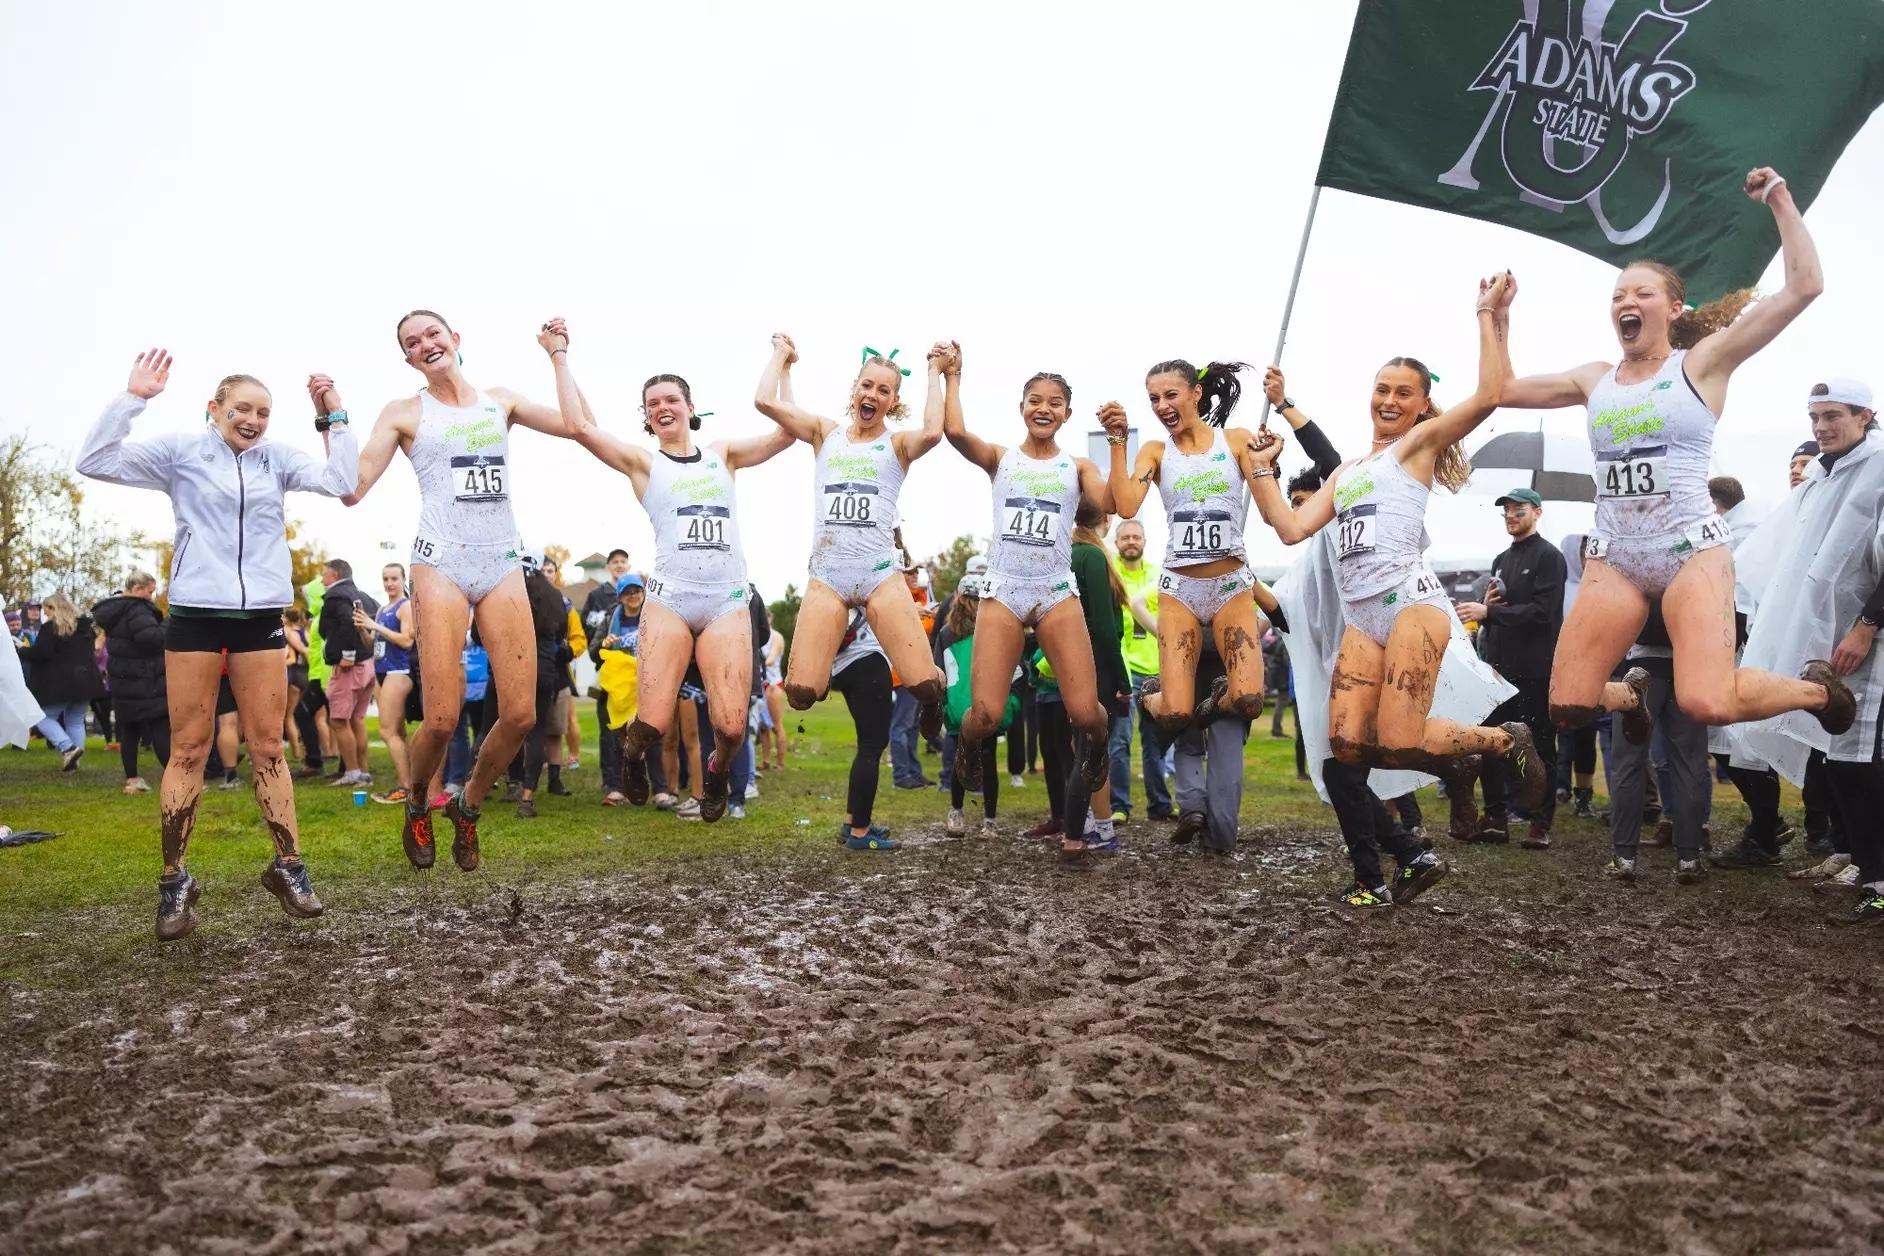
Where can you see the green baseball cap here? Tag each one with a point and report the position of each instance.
(1524, 495)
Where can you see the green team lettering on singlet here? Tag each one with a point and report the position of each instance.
(702, 488)
(1629, 422)
(1354, 490)
(854, 466)
(478, 433)
(1039, 483)
(1201, 484)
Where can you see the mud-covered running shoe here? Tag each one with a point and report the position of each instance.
(956, 824)
(929, 722)
(1491, 828)
(416, 837)
(715, 784)
(1358, 895)
(1620, 869)
(1212, 703)
(1825, 870)
(872, 841)
(1637, 724)
(1689, 871)
(176, 903)
(1869, 910)
(464, 839)
(1095, 764)
(1462, 797)
(968, 764)
(1523, 760)
(1840, 711)
(634, 779)
(1098, 843)
(1190, 826)
(290, 884)
(1416, 878)
(1845, 879)
(1748, 854)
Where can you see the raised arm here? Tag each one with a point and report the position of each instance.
(339, 475)
(1127, 486)
(913, 445)
(970, 446)
(750, 451)
(1293, 526)
(773, 398)
(1093, 486)
(1714, 359)
(1494, 371)
(575, 420)
(376, 455)
(1315, 444)
(108, 454)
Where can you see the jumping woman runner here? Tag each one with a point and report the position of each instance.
(1396, 610)
(1206, 581)
(854, 560)
(1651, 422)
(696, 608)
(1037, 488)
(465, 563)
(229, 581)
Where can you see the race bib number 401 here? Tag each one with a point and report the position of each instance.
(1029, 520)
(704, 527)
(1354, 533)
(851, 505)
(477, 477)
(1635, 473)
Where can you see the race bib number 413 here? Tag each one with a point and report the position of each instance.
(1634, 473)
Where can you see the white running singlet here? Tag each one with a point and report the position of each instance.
(1205, 504)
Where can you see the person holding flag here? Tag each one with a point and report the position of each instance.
(1651, 428)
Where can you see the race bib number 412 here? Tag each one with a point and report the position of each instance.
(1354, 534)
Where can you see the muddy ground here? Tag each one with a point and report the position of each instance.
(967, 1046)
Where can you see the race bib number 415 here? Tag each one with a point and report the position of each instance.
(477, 477)
(1635, 473)
(1029, 520)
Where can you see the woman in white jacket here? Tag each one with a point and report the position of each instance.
(229, 582)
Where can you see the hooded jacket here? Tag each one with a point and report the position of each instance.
(65, 668)
(231, 543)
(134, 645)
(338, 634)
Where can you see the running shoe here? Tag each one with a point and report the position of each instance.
(1689, 871)
(956, 824)
(1662, 835)
(1358, 895)
(526, 808)
(689, 810)
(1103, 844)
(1637, 723)
(1840, 711)
(871, 841)
(1533, 780)
(877, 830)
(1414, 879)
(663, 802)
(1846, 878)
(393, 797)
(1869, 910)
(736, 811)
(1537, 836)
(1121, 817)
(1748, 854)
(1830, 867)
(571, 763)
(614, 798)
(1492, 829)
(1096, 765)
(989, 828)
(1583, 810)
(1190, 827)
(716, 784)
(967, 764)
(464, 841)
(752, 793)
(1211, 706)
(290, 884)
(176, 903)
(1620, 869)
(69, 761)
(229, 782)
(416, 838)
(1049, 827)
(1015, 782)
(559, 789)
(136, 785)
(634, 779)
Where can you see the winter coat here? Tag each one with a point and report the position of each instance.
(134, 641)
(65, 669)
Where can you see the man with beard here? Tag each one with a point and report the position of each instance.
(1140, 648)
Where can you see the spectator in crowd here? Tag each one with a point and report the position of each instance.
(861, 672)
(474, 715)
(1688, 784)
(350, 688)
(64, 676)
(613, 644)
(134, 642)
(772, 725)
(1209, 763)
(101, 705)
(905, 766)
(310, 714)
(1103, 601)
(597, 610)
(395, 673)
(1276, 676)
(1520, 617)
(294, 652)
(957, 638)
(1576, 748)
(551, 618)
(1802, 458)
(1139, 648)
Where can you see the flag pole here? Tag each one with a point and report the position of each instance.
(1295, 280)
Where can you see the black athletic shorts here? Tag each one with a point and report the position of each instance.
(225, 698)
(212, 634)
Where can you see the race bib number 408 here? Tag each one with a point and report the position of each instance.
(477, 477)
(1029, 520)
(850, 505)
(1634, 473)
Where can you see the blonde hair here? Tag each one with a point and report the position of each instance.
(59, 611)
(230, 381)
(899, 410)
(1692, 326)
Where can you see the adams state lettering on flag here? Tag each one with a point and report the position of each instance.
(1622, 128)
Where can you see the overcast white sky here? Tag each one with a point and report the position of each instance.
(1086, 188)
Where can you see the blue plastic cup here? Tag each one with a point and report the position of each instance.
(359, 798)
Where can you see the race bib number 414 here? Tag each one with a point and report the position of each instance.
(1029, 520)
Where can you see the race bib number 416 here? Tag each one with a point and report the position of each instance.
(477, 477)
(1198, 534)
(1029, 520)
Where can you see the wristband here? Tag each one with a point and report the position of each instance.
(325, 421)
(1264, 472)
(1116, 440)
(1767, 191)
(554, 352)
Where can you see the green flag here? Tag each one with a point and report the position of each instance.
(1622, 128)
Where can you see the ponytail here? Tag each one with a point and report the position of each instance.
(1218, 380)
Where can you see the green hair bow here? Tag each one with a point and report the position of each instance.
(889, 357)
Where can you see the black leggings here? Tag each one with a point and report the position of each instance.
(130, 732)
(101, 711)
(1023, 739)
(990, 779)
(865, 685)
(1066, 784)
(547, 687)
(1582, 751)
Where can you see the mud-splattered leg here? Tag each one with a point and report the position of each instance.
(192, 680)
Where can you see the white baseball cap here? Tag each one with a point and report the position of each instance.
(977, 565)
(1844, 392)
